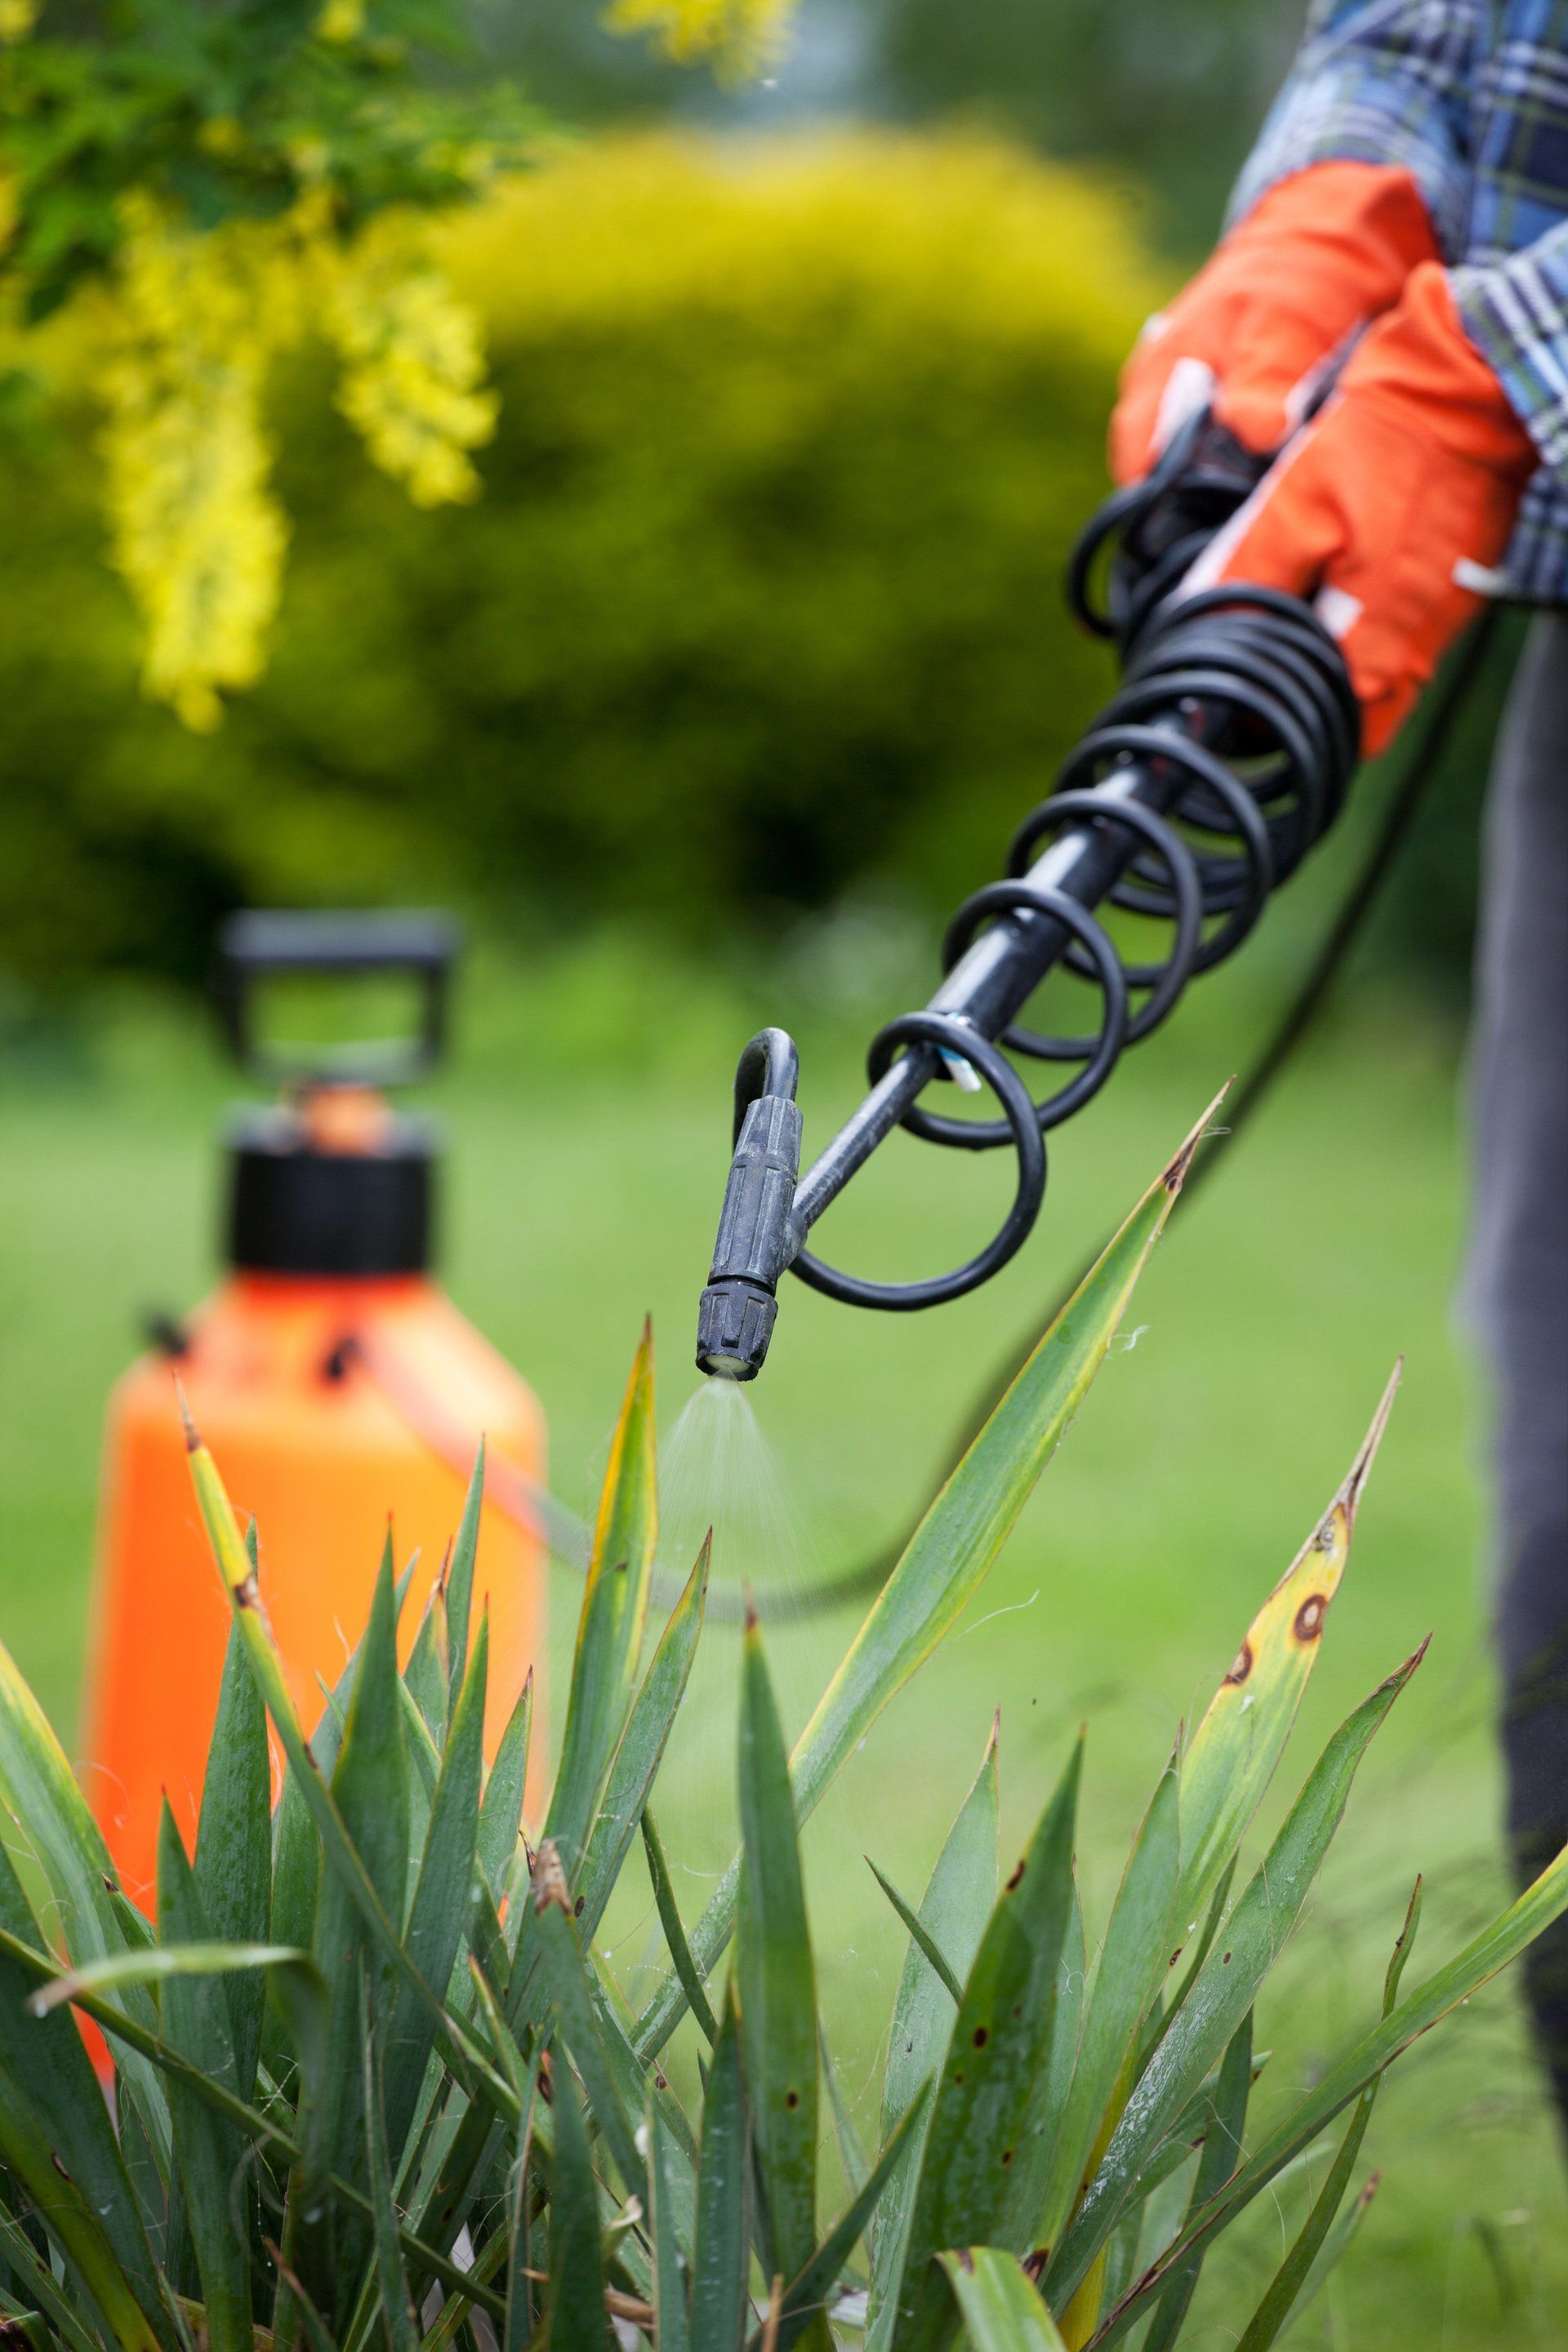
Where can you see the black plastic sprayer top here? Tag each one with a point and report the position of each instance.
(1221, 759)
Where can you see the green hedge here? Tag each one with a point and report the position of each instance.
(762, 601)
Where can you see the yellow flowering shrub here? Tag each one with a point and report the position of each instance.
(760, 604)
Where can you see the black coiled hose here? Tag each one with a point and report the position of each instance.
(1222, 758)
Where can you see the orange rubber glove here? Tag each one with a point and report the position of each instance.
(1319, 255)
(1392, 505)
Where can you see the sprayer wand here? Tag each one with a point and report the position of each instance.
(1234, 721)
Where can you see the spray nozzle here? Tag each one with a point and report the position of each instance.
(758, 1233)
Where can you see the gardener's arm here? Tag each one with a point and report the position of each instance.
(1358, 176)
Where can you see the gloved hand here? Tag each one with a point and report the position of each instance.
(1319, 255)
(1392, 505)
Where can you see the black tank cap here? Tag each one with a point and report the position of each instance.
(295, 1209)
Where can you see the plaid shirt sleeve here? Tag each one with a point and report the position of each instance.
(1515, 311)
(1378, 81)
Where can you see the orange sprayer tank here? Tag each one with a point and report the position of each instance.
(336, 1387)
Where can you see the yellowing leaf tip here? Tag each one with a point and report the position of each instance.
(1350, 1494)
(192, 1434)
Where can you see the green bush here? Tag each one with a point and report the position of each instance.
(762, 601)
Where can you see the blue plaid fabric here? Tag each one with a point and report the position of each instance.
(1471, 97)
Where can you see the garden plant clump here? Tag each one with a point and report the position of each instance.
(373, 2084)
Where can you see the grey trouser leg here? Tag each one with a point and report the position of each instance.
(1519, 1269)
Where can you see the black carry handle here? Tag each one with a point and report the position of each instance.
(263, 944)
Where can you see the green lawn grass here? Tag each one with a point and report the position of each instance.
(588, 1123)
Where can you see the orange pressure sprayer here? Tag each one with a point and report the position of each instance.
(336, 1385)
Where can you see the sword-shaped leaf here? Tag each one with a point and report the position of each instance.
(567, 1973)
(999, 2047)
(574, 2307)
(520, 2296)
(674, 1933)
(1231, 1758)
(956, 1543)
(52, 2077)
(775, 1978)
(196, 2023)
(1000, 2308)
(428, 1673)
(1217, 2160)
(642, 1745)
(672, 2324)
(35, 2274)
(1132, 1959)
(721, 2245)
(610, 1627)
(500, 1813)
(28, 2155)
(812, 2289)
(233, 1866)
(955, 1908)
(1047, 2101)
(1333, 2248)
(370, 1789)
(39, 1787)
(459, 1579)
(435, 1915)
(931, 1951)
(1244, 1952)
(1298, 2273)
(395, 2305)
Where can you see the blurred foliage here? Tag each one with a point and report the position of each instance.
(762, 600)
(1171, 89)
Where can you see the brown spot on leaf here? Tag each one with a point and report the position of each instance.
(1016, 1877)
(958, 2073)
(1309, 1617)
(59, 2168)
(981, 2036)
(1243, 1665)
(248, 1593)
(1224, 1959)
(578, 1906)
(792, 2100)
(659, 2083)
(1006, 2155)
(965, 2260)
(1035, 2264)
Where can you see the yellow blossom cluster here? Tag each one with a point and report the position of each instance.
(17, 18)
(341, 20)
(195, 531)
(738, 36)
(413, 364)
(192, 323)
